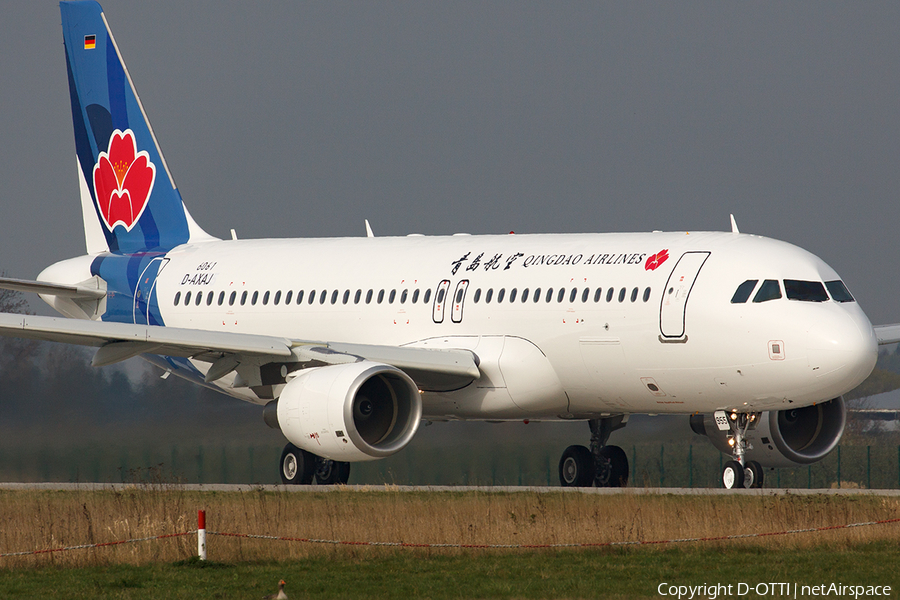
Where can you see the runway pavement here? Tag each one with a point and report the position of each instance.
(639, 491)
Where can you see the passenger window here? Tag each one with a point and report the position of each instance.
(187, 298)
(254, 298)
(415, 296)
(299, 296)
(221, 298)
(312, 296)
(322, 295)
(501, 294)
(405, 293)
(838, 291)
(346, 297)
(477, 296)
(646, 294)
(392, 296)
(585, 294)
(512, 295)
(357, 296)
(524, 295)
(769, 290)
(381, 296)
(209, 298)
(742, 293)
(459, 296)
(177, 298)
(277, 298)
(231, 298)
(244, 298)
(598, 294)
(805, 291)
(537, 295)
(634, 294)
(369, 297)
(199, 299)
(334, 297)
(489, 295)
(561, 294)
(573, 294)
(266, 298)
(549, 294)
(609, 294)
(622, 295)
(427, 297)
(288, 296)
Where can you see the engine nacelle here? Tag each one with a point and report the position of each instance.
(351, 412)
(785, 438)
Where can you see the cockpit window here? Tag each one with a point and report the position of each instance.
(805, 291)
(769, 290)
(743, 292)
(838, 291)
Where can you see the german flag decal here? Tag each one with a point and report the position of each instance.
(90, 42)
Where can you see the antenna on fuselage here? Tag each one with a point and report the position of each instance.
(369, 230)
(734, 227)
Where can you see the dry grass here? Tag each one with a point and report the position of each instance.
(44, 519)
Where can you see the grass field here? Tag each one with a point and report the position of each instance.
(240, 568)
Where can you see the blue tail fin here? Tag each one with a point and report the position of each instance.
(129, 200)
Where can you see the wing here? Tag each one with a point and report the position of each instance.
(431, 369)
(887, 334)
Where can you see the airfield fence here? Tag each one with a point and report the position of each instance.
(652, 465)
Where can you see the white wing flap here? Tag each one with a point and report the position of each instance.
(169, 341)
(432, 369)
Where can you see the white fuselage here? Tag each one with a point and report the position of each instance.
(660, 335)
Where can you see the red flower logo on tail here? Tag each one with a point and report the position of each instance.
(655, 260)
(123, 179)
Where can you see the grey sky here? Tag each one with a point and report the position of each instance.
(289, 118)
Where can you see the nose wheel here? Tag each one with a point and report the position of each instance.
(739, 473)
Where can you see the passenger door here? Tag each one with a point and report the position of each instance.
(676, 293)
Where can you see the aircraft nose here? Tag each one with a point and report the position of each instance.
(842, 350)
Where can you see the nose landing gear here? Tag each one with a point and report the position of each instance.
(739, 473)
(601, 465)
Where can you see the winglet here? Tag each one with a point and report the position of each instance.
(734, 227)
(369, 230)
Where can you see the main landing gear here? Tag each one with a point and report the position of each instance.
(739, 473)
(299, 467)
(601, 465)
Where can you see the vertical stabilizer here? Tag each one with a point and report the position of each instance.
(129, 199)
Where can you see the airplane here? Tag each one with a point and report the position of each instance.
(348, 344)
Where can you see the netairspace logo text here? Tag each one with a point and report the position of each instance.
(774, 590)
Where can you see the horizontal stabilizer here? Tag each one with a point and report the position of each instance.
(51, 289)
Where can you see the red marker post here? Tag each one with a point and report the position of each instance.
(201, 534)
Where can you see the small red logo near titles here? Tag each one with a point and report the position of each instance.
(315, 436)
(123, 179)
(655, 260)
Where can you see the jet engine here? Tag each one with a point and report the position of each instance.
(350, 412)
(786, 438)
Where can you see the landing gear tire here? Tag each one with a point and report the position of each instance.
(611, 468)
(576, 467)
(331, 472)
(753, 475)
(733, 475)
(297, 466)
